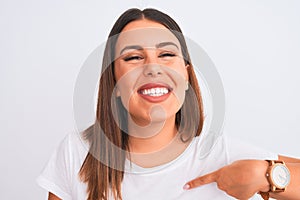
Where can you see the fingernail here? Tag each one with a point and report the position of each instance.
(186, 187)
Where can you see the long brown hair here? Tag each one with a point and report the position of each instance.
(103, 167)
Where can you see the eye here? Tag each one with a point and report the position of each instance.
(168, 54)
(130, 58)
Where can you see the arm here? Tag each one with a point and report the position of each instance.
(52, 197)
(243, 178)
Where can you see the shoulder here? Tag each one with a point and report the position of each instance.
(61, 172)
(71, 144)
(74, 147)
(238, 149)
(229, 149)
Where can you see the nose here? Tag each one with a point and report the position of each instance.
(152, 68)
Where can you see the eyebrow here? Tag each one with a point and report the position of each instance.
(162, 44)
(138, 47)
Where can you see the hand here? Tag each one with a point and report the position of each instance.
(241, 179)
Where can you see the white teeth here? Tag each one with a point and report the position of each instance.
(155, 92)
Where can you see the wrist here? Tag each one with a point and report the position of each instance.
(265, 185)
(278, 178)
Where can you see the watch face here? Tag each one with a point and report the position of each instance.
(280, 176)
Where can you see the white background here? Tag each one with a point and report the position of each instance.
(254, 44)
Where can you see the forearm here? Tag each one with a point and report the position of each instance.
(51, 196)
(243, 178)
(293, 189)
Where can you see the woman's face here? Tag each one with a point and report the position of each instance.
(150, 72)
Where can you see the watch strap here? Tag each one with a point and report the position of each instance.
(266, 195)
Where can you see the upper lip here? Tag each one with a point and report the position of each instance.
(154, 85)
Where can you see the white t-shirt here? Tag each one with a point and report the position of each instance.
(164, 182)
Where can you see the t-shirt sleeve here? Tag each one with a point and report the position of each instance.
(241, 150)
(55, 177)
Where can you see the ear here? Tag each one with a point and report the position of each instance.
(186, 71)
(187, 77)
(118, 93)
(187, 85)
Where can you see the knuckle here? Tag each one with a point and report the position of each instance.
(220, 186)
(194, 183)
(199, 181)
(237, 196)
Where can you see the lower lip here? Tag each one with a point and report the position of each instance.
(155, 99)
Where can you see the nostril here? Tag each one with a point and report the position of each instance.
(154, 73)
(152, 70)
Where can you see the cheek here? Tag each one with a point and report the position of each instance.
(118, 70)
(126, 84)
(184, 71)
(124, 90)
(122, 76)
(179, 67)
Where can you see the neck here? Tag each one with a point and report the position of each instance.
(153, 137)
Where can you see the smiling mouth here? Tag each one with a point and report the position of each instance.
(155, 92)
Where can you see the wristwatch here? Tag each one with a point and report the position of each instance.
(278, 176)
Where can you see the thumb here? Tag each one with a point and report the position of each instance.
(202, 180)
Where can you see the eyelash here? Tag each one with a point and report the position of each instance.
(129, 58)
(133, 58)
(140, 57)
(167, 55)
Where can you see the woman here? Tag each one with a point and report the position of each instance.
(146, 138)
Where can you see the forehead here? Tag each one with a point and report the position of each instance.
(142, 23)
(144, 33)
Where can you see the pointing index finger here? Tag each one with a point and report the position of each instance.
(202, 180)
